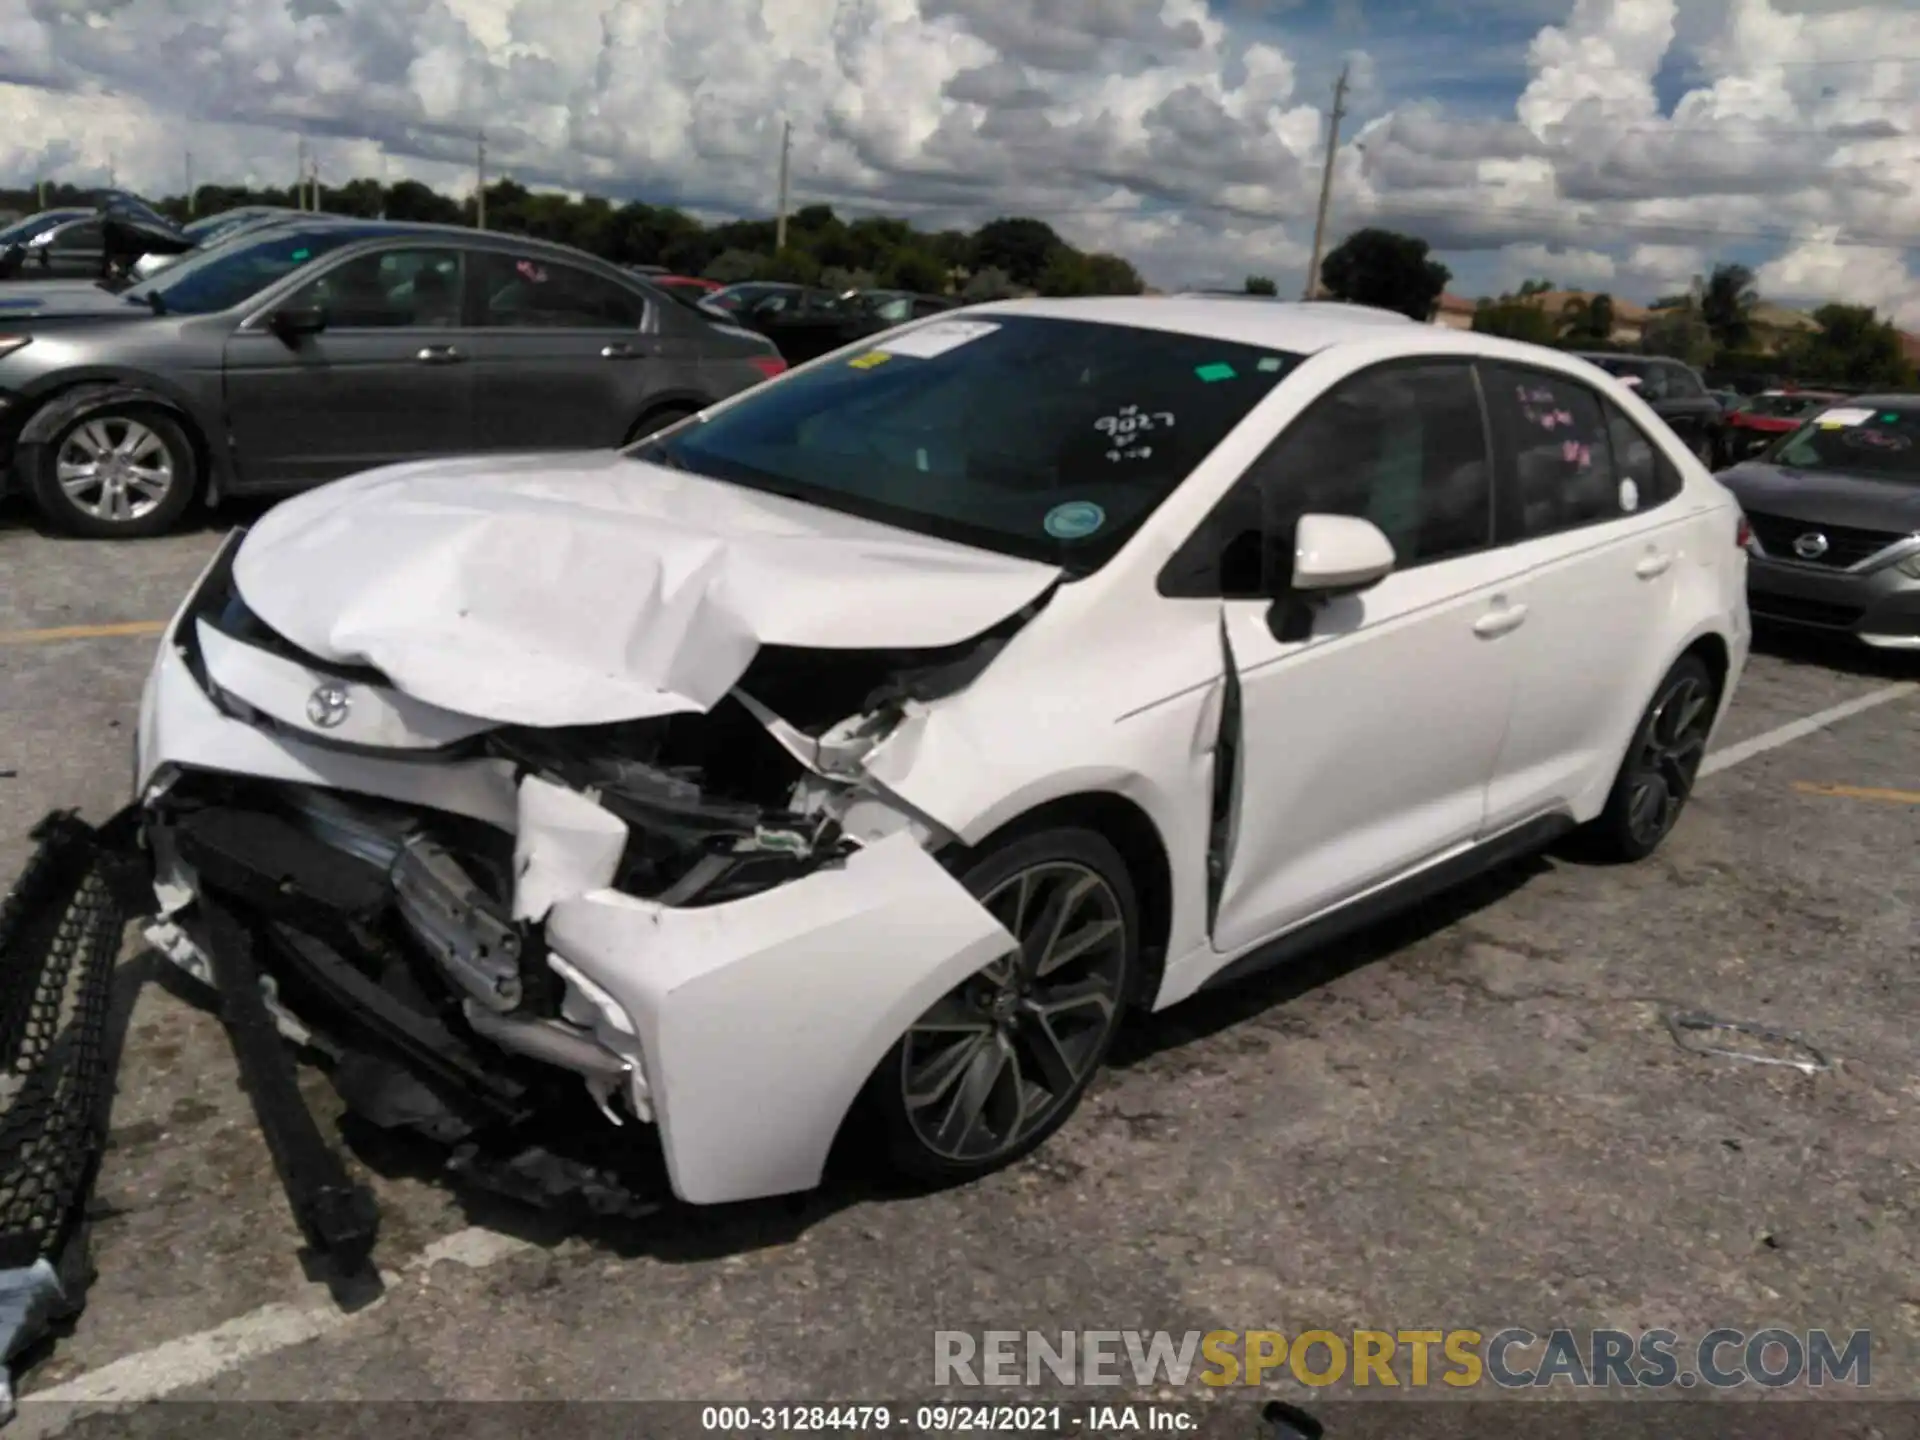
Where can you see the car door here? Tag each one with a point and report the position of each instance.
(1366, 734)
(385, 380)
(1587, 505)
(564, 356)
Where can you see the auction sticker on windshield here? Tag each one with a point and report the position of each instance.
(1075, 520)
(938, 338)
(1844, 417)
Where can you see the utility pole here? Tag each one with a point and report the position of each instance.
(1326, 182)
(189, 182)
(113, 172)
(786, 154)
(300, 177)
(42, 187)
(480, 186)
(313, 182)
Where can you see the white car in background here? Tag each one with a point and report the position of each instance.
(876, 741)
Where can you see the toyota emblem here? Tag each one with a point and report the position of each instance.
(1810, 546)
(327, 707)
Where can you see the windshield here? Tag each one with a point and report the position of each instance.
(1883, 442)
(736, 296)
(1788, 407)
(1048, 439)
(220, 278)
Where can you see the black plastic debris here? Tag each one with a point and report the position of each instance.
(60, 933)
(1290, 1422)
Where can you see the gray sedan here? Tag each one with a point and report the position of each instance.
(289, 358)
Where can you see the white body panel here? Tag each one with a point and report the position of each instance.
(1437, 707)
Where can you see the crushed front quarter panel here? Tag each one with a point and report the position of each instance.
(760, 1020)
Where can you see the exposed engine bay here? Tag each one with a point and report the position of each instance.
(469, 980)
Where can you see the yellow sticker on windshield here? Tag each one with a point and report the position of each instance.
(869, 360)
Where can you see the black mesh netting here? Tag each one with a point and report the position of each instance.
(60, 932)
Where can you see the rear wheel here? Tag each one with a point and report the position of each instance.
(121, 471)
(1662, 763)
(1000, 1062)
(659, 420)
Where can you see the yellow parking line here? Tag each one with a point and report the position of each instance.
(81, 632)
(1859, 792)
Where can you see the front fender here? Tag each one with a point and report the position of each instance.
(76, 397)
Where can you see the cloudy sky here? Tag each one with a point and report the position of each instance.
(1612, 144)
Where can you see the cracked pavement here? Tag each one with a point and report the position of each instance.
(1473, 1117)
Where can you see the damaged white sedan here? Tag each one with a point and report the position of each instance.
(876, 741)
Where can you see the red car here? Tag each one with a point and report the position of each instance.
(1767, 417)
(692, 286)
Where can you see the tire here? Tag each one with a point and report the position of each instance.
(155, 478)
(996, 1026)
(658, 420)
(1657, 776)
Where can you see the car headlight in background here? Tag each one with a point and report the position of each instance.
(1910, 565)
(11, 343)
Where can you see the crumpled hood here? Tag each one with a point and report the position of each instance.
(587, 588)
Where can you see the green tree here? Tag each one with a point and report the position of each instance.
(914, 269)
(794, 266)
(987, 284)
(410, 200)
(1677, 331)
(1513, 319)
(1386, 270)
(1589, 320)
(1726, 304)
(731, 267)
(1261, 285)
(1535, 287)
(1018, 245)
(1852, 347)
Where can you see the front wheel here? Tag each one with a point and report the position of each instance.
(116, 472)
(1000, 1062)
(1657, 777)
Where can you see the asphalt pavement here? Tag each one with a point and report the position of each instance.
(1477, 1117)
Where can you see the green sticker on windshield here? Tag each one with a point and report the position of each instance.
(303, 254)
(1219, 370)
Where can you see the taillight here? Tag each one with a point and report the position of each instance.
(1743, 534)
(768, 365)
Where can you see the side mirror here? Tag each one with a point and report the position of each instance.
(1339, 554)
(297, 320)
(1632, 382)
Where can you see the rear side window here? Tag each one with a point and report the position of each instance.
(532, 292)
(77, 237)
(1682, 383)
(1555, 438)
(1638, 460)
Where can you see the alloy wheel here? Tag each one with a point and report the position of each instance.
(1671, 748)
(114, 469)
(998, 1056)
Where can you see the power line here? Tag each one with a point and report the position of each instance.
(1334, 117)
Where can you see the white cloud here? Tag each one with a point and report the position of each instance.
(1183, 134)
(1818, 270)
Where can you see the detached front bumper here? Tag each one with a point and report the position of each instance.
(744, 1029)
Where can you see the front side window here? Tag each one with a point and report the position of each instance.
(1403, 445)
(208, 281)
(1682, 383)
(533, 292)
(388, 290)
(1554, 435)
(1880, 441)
(1043, 438)
(84, 236)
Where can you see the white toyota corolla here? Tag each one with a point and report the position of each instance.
(876, 741)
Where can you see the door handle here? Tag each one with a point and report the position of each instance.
(1654, 566)
(1500, 622)
(439, 355)
(620, 351)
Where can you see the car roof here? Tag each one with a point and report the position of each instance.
(1296, 326)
